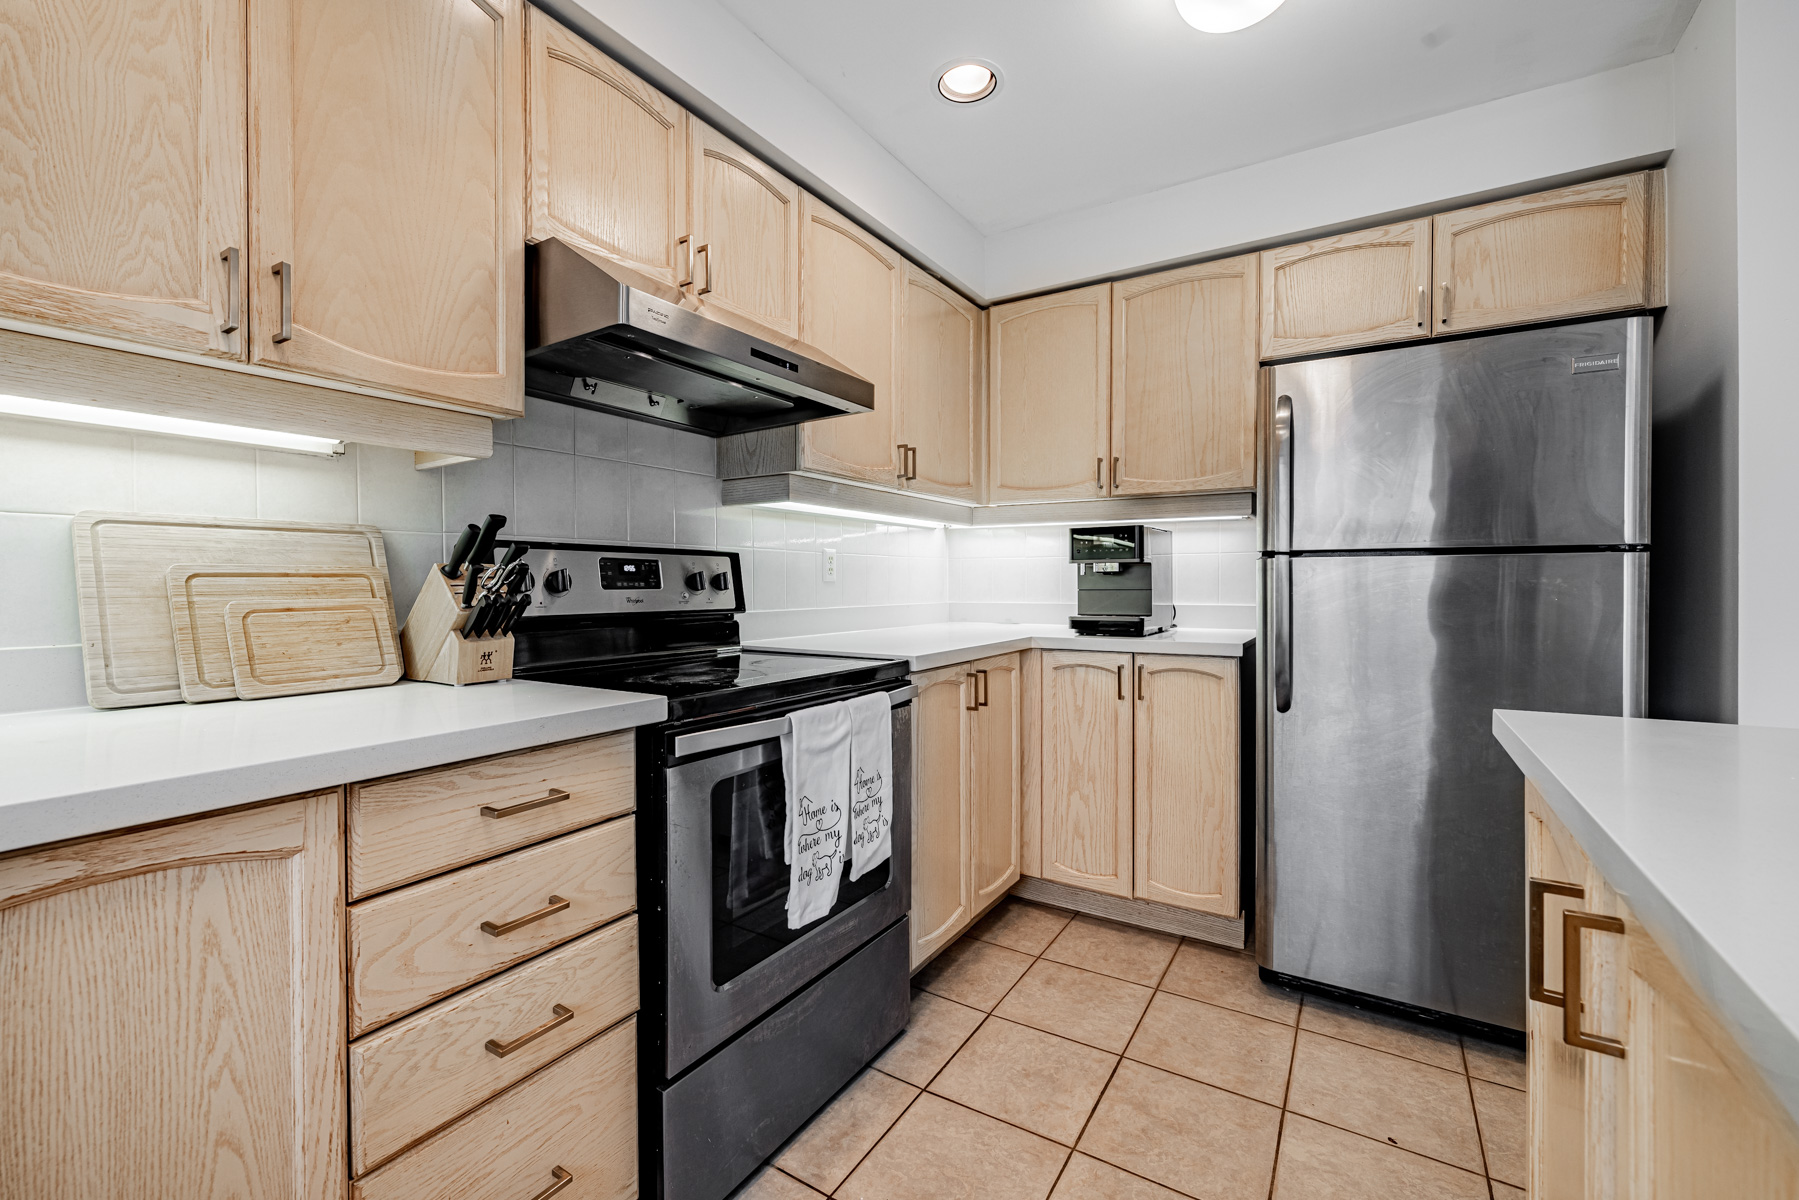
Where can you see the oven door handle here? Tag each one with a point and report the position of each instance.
(756, 731)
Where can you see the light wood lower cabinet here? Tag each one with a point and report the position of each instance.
(997, 757)
(1673, 1107)
(172, 1010)
(1087, 764)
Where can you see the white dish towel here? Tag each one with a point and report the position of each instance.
(871, 782)
(815, 757)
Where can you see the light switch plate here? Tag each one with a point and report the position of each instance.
(830, 566)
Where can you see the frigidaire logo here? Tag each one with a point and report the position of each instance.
(1598, 362)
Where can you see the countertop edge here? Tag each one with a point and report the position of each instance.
(1760, 1033)
(931, 660)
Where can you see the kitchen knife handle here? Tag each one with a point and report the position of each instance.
(284, 271)
(706, 249)
(465, 542)
(1534, 963)
(515, 552)
(483, 552)
(685, 242)
(1280, 605)
(234, 299)
(1572, 923)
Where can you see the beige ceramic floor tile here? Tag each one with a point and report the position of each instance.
(1505, 1191)
(1021, 925)
(974, 973)
(1318, 1162)
(770, 1184)
(1034, 1080)
(1219, 1046)
(1184, 1135)
(1385, 1097)
(942, 1151)
(1096, 1009)
(1139, 955)
(1228, 977)
(1495, 1064)
(828, 1149)
(1391, 1034)
(1502, 1130)
(937, 1030)
(1089, 1179)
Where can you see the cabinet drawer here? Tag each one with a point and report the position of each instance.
(423, 942)
(420, 1073)
(416, 825)
(577, 1116)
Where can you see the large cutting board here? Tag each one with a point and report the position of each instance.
(198, 595)
(290, 647)
(121, 564)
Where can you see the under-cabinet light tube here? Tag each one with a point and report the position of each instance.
(212, 431)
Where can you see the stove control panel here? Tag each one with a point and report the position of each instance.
(569, 579)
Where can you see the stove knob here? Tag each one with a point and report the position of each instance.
(721, 582)
(557, 582)
(696, 581)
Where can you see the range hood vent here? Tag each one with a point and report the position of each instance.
(599, 336)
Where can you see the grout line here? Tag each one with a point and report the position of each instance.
(1280, 1132)
(1485, 1168)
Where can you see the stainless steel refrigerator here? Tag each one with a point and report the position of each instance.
(1446, 529)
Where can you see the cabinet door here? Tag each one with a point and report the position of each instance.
(1188, 795)
(608, 155)
(1049, 381)
(172, 1010)
(745, 222)
(851, 287)
(1355, 289)
(941, 905)
(942, 367)
(122, 146)
(1590, 248)
(1086, 832)
(998, 788)
(388, 159)
(1184, 379)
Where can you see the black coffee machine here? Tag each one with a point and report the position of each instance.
(1125, 581)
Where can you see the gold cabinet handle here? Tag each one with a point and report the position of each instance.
(1572, 923)
(1534, 967)
(911, 462)
(981, 679)
(560, 1014)
(1140, 670)
(562, 1179)
(234, 300)
(284, 271)
(1114, 472)
(1121, 681)
(685, 241)
(555, 796)
(1423, 306)
(1445, 286)
(901, 473)
(1099, 474)
(706, 249)
(556, 905)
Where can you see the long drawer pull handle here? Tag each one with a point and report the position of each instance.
(556, 905)
(1534, 968)
(563, 1179)
(562, 1014)
(1572, 923)
(555, 796)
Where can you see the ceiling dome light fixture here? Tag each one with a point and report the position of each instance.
(1224, 16)
(966, 81)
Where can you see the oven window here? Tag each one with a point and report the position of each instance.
(749, 880)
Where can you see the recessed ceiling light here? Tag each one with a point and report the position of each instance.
(967, 81)
(1224, 16)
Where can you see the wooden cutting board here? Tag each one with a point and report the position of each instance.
(198, 595)
(290, 647)
(121, 566)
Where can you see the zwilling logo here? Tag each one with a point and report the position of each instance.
(487, 660)
(1599, 362)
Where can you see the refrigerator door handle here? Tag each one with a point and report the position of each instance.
(1281, 519)
(1281, 603)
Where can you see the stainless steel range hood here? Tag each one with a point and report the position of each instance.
(599, 336)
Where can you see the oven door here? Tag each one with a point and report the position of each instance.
(731, 957)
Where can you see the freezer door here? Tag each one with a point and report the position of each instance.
(1537, 438)
(1392, 821)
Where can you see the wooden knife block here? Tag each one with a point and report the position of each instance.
(432, 643)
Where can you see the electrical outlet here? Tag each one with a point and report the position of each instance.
(830, 566)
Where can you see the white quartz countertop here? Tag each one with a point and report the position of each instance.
(1697, 826)
(75, 771)
(927, 647)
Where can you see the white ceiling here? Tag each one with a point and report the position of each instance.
(1105, 99)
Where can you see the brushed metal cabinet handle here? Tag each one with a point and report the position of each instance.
(911, 462)
(1423, 306)
(901, 473)
(501, 928)
(560, 1014)
(234, 299)
(974, 693)
(555, 796)
(1445, 286)
(284, 271)
(1121, 681)
(1114, 472)
(685, 275)
(706, 249)
(1140, 670)
(1099, 473)
(1534, 966)
(981, 687)
(1572, 923)
(562, 1177)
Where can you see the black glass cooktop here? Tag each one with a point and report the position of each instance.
(708, 683)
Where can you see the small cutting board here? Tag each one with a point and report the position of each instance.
(199, 593)
(291, 647)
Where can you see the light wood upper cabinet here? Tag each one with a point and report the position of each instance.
(387, 168)
(941, 904)
(1354, 289)
(997, 783)
(1049, 380)
(745, 224)
(1184, 379)
(941, 374)
(1590, 248)
(172, 1010)
(608, 155)
(1188, 797)
(1087, 763)
(122, 148)
(851, 289)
